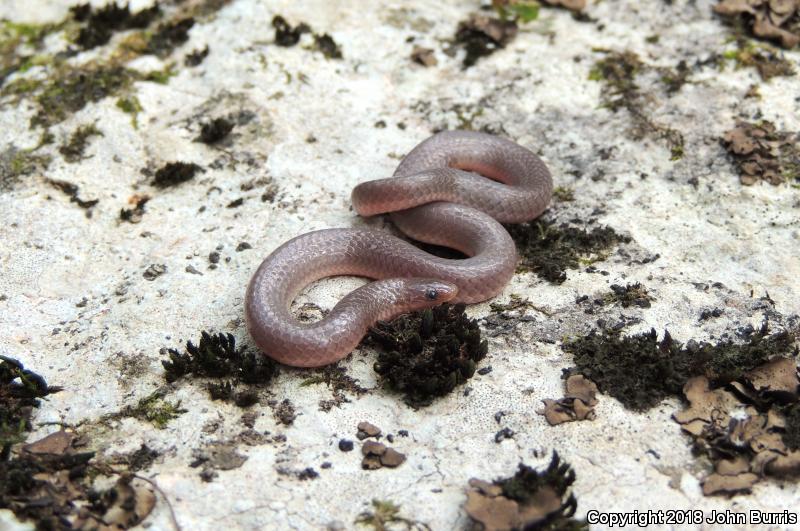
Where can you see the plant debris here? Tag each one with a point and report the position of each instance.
(215, 131)
(640, 371)
(153, 409)
(284, 412)
(50, 483)
(549, 250)
(20, 391)
(378, 455)
(423, 56)
(324, 43)
(776, 20)
(482, 35)
(174, 173)
(386, 515)
(365, 430)
(216, 456)
(154, 271)
(530, 499)
(217, 357)
(196, 57)
(72, 190)
(169, 36)
(73, 149)
(630, 295)
(102, 23)
(762, 153)
(618, 71)
(578, 403)
(426, 354)
(742, 426)
(766, 61)
(134, 215)
(338, 381)
(285, 34)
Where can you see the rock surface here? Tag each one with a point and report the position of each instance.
(89, 296)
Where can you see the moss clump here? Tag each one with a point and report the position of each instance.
(154, 409)
(73, 149)
(630, 295)
(427, 354)
(70, 90)
(131, 105)
(617, 71)
(285, 34)
(16, 163)
(216, 356)
(215, 131)
(169, 36)
(384, 515)
(791, 437)
(763, 58)
(549, 250)
(640, 371)
(174, 173)
(20, 391)
(13, 36)
(530, 499)
(100, 24)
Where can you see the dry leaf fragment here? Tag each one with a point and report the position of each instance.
(719, 484)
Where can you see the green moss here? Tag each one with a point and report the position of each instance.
(385, 515)
(629, 295)
(549, 250)
(427, 354)
(563, 194)
(767, 61)
(641, 371)
(161, 77)
(617, 71)
(71, 89)
(131, 105)
(217, 357)
(73, 149)
(154, 409)
(16, 163)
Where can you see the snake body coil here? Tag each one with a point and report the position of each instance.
(453, 189)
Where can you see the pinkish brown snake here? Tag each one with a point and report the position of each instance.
(435, 196)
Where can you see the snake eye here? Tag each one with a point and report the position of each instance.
(431, 294)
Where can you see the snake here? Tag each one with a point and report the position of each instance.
(455, 189)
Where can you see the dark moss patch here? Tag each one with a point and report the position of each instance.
(640, 371)
(617, 71)
(761, 152)
(530, 499)
(285, 34)
(339, 382)
(325, 44)
(17, 163)
(135, 214)
(69, 90)
(102, 23)
(427, 354)
(20, 391)
(174, 173)
(154, 409)
(215, 131)
(217, 357)
(169, 36)
(549, 250)
(791, 435)
(73, 149)
(763, 58)
(196, 57)
(72, 190)
(630, 295)
(482, 35)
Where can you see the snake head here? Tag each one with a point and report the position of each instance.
(425, 292)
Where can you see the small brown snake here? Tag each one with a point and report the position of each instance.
(454, 189)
